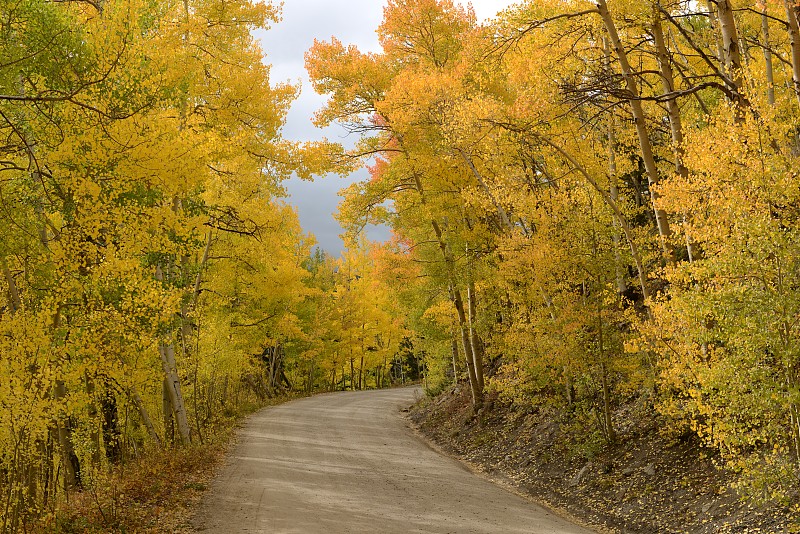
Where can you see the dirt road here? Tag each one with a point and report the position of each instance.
(346, 462)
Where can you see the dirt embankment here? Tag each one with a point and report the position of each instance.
(648, 483)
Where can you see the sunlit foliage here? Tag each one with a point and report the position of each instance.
(594, 202)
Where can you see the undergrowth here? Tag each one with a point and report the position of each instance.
(154, 493)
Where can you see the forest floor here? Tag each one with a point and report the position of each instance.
(647, 483)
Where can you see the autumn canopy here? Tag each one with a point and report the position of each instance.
(592, 202)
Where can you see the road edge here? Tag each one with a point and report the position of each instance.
(498, 479)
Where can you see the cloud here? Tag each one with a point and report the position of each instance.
(352, 22)
(317, 202)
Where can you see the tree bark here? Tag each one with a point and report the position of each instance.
(169, 412)
(730, 46)
(172, 384)
(199, 278)
(110, 423)
(133, 394)
(793, 13)
(72, 466)
(458, 302)
(616, 238)
(765, 44)
(609, 428)
(477, 393)
(454, 349)
(645, 146)
(167, 352)
(352, 373)
(94, 433)
(714, 21)
(794, 428)
(15, 303)
(673, 111)
(454, 292)
(475, 341)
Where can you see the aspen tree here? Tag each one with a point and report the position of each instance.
(766, 43)
(673, 110)
(108, 174)
(640, 122)
(434, 51)
(505, 152)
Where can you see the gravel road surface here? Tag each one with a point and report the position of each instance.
(347, 462)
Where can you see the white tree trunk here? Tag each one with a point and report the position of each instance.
(673, 111)
(15, 303)
(645, 147)
(144, 415)
(730, 45)
(765, 43)
(792, 12)
(167, 352)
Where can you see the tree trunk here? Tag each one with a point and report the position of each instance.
(195, 387)
(792, 384)
(199, 278)
(475, 341)
(668, 85)
(645, 147)
(458, 302)
(477, 392)
(143, 414)
(285, 379)
(569, 387)
(169, 413)
(270, 356)
(714, 21)
(765, 43)
(455, 295)
(730, 45)
(14, 301)
(609, 428)
(72, 466)
(310, 379)
(172, 381)
(172, 385)
(111, 433)
(673, 111)
(223, 398)
(94, 433)
(454, 349)
(792, 14)
(616, 238)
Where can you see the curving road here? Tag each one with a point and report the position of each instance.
(347, 462)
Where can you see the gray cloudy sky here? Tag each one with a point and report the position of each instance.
(352, 22)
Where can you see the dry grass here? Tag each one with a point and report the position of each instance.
(153, 494)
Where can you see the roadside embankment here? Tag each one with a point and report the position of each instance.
(646, 483)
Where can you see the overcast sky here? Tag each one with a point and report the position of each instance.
(352, 22)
